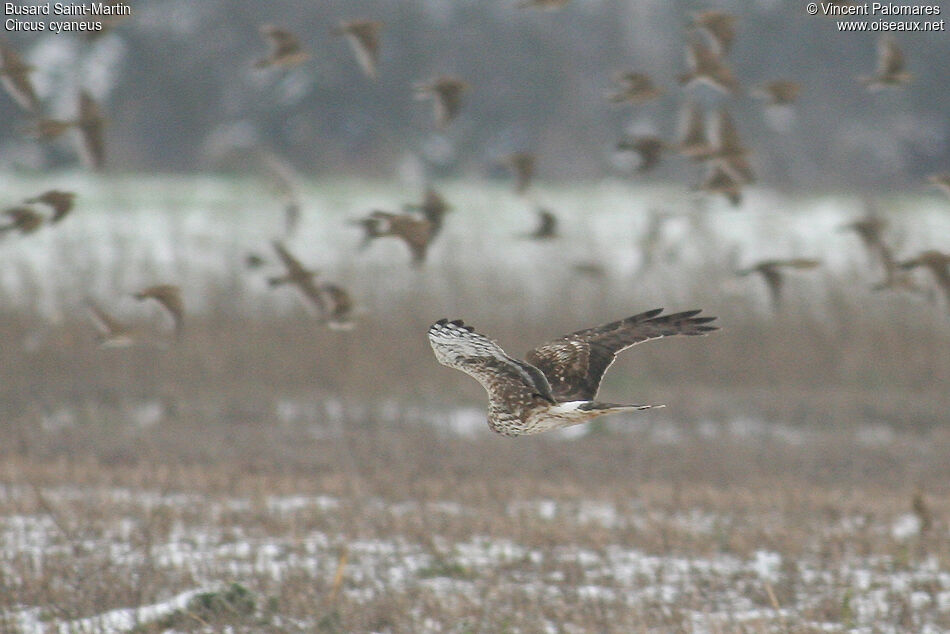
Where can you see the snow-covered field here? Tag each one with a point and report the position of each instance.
(713, 562)
(126, 232)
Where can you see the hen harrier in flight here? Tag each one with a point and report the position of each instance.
(556, 385)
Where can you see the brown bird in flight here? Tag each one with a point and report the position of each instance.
(333, 304)
(779, 92)
(555, 386)
(22, 218)
(649, 148)
(546, 5)
(285, 49)
(446, 92)
(771, 272)
(112, 332)
(728, 150)
(705, 66)
(169, 297)
(890, 71)
(941, 182)
(547, 226)
(91, 124)
(15, 76)
(719, 180)
(938, 264)
(433, 208)
(414, 231)
(363, 38)
(521, 165)
(870, 229)
(60, 202)
(634, 88)
(719, 26)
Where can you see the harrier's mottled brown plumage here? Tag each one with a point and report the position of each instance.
(556, 384)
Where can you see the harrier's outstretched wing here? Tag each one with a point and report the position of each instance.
(575, 364)
(507, 380)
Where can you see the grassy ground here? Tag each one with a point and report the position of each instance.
(402, 528)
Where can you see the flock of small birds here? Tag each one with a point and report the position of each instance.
(718, 148)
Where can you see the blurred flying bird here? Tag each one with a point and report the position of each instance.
(728, 150)
(285, 49)
(284, 182)
(47, 129)
(521, 165)
(705, 66)
(649, 148)
(254, 261)
(938, 264)
(890, 71)
(169, 297)
(547, 5)
(15, 76)
(59, 201)
(693, 140)
(433, 208)
(22, 218)
(333, 304)
(414, 231)
(941, 182)
(556, 385)
(870, 229)
(446, 93)
(719, 180)
(340, 309)
(922, 510)
(589, 268)
(634, 88)
(90, 124)
(112, 332)
(779, 92)
(295, 274)
(363, 37)
(719, 26)
(652, 236)
(547, 226)
(772, 272)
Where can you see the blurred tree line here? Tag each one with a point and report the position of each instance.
(177, 83)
